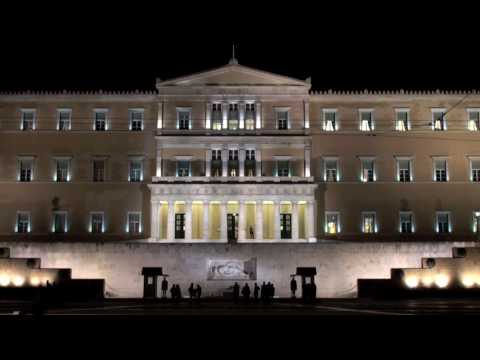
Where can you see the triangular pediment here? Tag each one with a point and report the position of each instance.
(234, 75)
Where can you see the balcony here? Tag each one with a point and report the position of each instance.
(232, 179)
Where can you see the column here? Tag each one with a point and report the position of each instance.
(224, 161)
(225, 115)
(276, 221)
(241, 161)
(311, 220)
(306, 105)
(206, 208)
(208, 116)
(308, 152)
(155, 220)
(171, 221)
(208, 165)
(258, 159)
(241, 220)
(258, 113)
(188, 220)
(160, 116)
(294, 220)
(223, 220)
(159, 162)
(259, 221)
(241, 109)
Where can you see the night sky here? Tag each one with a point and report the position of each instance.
(341, 48)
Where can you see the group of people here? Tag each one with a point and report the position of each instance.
(195, 292)
(266, 292)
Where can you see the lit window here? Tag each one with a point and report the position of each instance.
(331, 170)
(23, 222)
(439, 121)
(136, 119)
(443, 222)
(404, 170)
(440, 170)
(366, 120)
(402, 121)
(329, 119)
(475, 222)
(59, 225)
(282, 119)
(250, 162)
(406, 222)
(25, 169)
(473, 119)
(134, 223)
(184, 118)
(99, 170)
(332, 222)
(183, 168)
(233, 165)
(250, 116)
(62, 170)
(233, 116)
(64, 119)
(217, 116)
(475, 170)
(369, 225)
(100, 119)
(97, 222)
(28, 120)
(368, 170)
(135, 170)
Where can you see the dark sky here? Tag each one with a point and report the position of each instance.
(340, 48)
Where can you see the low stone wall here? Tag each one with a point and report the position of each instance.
(338, 264)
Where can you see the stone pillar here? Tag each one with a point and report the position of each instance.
(188, 220)
(311, 221)
(259, 220)
(224, 115)
(160, 116)
(206, 208)
(295, 220)
(241, 220)
(223, 220)
(306, 119)
(258, 162)
(208, 116)
(159, 162)
(241, 109)
(241, 161)
(308, 152)
(208, 165)
(276, 219)
(155, 220)
(258, 113)
(224, 162)
(171, 221)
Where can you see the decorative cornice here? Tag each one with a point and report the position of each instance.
(368, 92)
(77, 92)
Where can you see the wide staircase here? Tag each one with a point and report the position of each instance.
(23, 278)
(456, 276)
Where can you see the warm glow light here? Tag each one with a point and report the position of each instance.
(18, 281)
(468, 281)
(427, 281)
(35, 281)
(442, 280)
(411, 281)
(4, 280)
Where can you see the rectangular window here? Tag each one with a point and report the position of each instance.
(282, 119)
(439, 121)
(97, 222)
(402, 121)
(216, 154)
(475, 170)
(135, 170)
(64, 119)
(250, 154)
(283, 168)
(183, 168)
(331, 170)
(136, 119)
(404, 170)
(217, 116)
(329, 119)
(368, 170)
(406, 222)
(23, 222)
(28, 120)
(100, 119)
(25, 169)
(473, 119)
(440, 171)
(184, 118)
(475, 220)
(332, 222)
(134, 225)
(233, 116)
(59, 225)
(250, 116)
(233, 165)
(99, 170)
(369, 225)
(366, 120)
(443, 223)
(62, 173)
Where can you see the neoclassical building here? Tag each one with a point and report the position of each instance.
(239, 155)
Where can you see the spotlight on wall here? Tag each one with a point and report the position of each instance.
(35, 281)
(411, 281)
(4, 280)
(18, 281)
(468, 281)
(427, 281)
(442, 280)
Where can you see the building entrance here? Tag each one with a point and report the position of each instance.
(232, 227)
(286, 226)
(179, 226)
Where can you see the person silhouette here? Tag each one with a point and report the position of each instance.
(179, 292)
(252, 234)
(246, 293)
(236, 292)
(164, 287)
(256, 290)
(173, 291)
(293, 287)
(268, 291)
(263, 292)
(191, 291)
(272, 291)
(198, 291)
